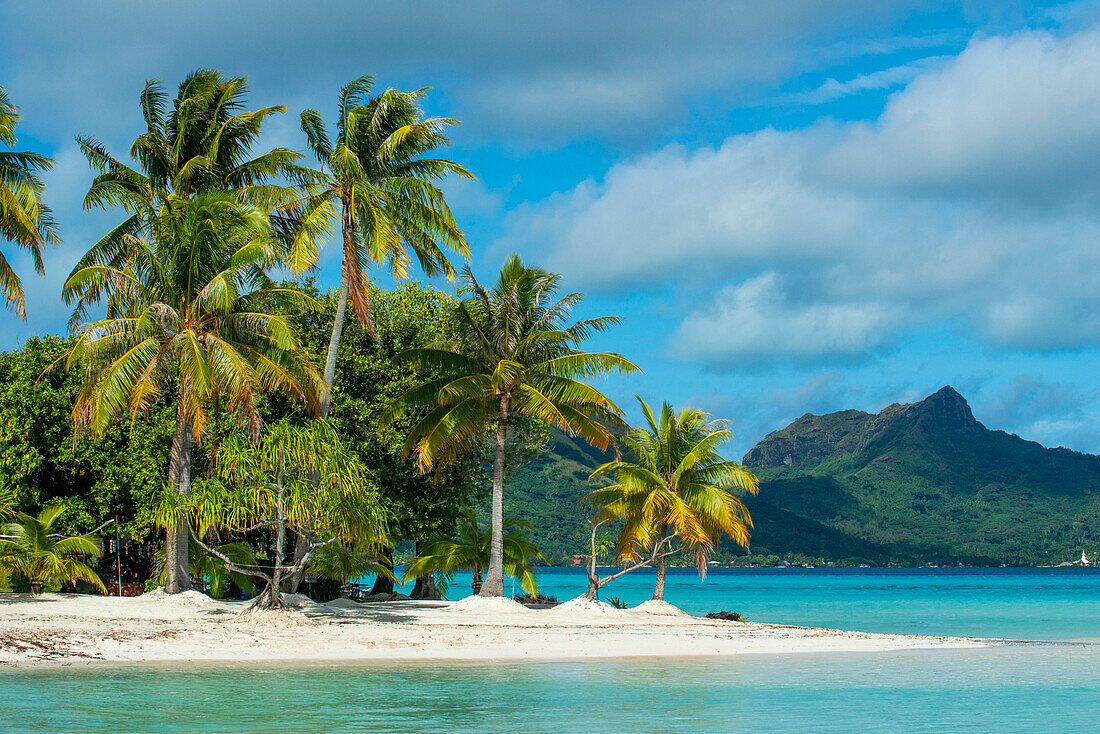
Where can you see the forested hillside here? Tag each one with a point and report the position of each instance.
(917, 483)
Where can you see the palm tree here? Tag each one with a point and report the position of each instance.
(513, 355)
(376, 177)
(187, 310)
(676, 488)
(471, 548)
(24, 219)
(197, 146)
(33, 550)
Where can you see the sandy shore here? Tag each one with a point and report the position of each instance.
(58, 629)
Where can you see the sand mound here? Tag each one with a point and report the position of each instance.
(343, 604)
(300, 601)
(274, 617)
(654, 606)
(488, 604)
(190, 599)
(582, 608)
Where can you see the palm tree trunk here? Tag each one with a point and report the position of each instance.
(662, 564)
(425, 587)
(300, 545)
(383, 584)
(178, 575)
(334, 342)
(494, 576)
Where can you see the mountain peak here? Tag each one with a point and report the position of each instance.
(946, 408)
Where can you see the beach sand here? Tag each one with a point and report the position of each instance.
(63, 629)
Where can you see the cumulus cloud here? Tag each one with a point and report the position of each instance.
(540, 71)
(970, 198)
(758, 318)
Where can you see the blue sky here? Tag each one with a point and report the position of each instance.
(794, 206)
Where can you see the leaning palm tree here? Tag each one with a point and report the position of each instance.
(375, 177)
(34, 550)
(676, 488)
(24, 219)
(471, 548)
(514, 355)
(187, 311)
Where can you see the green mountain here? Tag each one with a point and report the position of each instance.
(917, 483)
(923, 482)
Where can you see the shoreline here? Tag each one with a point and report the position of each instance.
(88, 631)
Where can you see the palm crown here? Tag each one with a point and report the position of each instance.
(187, 300)
(377, 172)
(24, 219)
(35, 551)
(514, 353)
(677, 484)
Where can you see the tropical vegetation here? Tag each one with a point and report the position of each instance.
(514, 354)
(32, 550)
(471, 550)
(184, 278)
(25, 220)
(675, 489)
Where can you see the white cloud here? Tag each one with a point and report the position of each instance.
(972, 197)
(758, 318)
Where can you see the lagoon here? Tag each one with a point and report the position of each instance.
(1015, 688)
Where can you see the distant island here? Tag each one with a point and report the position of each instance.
(921, 483)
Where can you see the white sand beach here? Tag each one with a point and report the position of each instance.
(61, 630)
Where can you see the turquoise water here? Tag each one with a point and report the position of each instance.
(1014, 603)
(1001, 690)
(1016, 688)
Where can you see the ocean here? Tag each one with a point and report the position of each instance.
(1052, 685)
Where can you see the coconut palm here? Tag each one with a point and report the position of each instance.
(675, 488)
(514, 355)
(471, 548)
(34, 550)
(24, 219)
(187, 300)
(199, 145)
(375, 177)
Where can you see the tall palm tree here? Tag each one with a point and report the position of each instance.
(34, 550)
(186, 311)
(24, 219)
(514, 355)
(197, 145)
(471, 548)
(376, 177)
(677, 487)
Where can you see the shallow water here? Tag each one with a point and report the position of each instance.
(1051, 689)
(1017, 688)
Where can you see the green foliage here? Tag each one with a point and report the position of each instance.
(616, 602)
(211, 572)
(469, 551)
(24, 219)
(675, 483)
(40, 464)
(369, 377)
(37, 553)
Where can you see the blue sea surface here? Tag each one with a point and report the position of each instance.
(1048, 687)
(1012, 603)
